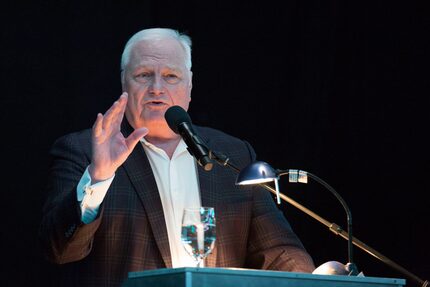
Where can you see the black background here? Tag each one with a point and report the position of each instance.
(336, 88)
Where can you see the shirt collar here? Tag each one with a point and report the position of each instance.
(182, 147)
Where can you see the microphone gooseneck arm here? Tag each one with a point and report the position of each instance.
(180, 123)
(195, 146)
(223, 160)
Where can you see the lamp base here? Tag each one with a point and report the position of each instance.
(337, 268)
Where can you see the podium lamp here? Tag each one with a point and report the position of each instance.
(261, 172)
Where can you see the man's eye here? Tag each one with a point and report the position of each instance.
(171, 78)
(143, 75)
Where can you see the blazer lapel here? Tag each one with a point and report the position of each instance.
(139, 170)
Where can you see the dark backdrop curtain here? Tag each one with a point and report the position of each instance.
(337, 88)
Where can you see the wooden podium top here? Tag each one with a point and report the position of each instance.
(237, 277)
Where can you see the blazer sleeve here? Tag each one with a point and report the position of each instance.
(63, 236)
(272, 242)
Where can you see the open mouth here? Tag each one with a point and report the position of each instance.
(156, 103)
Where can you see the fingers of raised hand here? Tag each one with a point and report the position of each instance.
(123, 104)
(111, 120)
(97, 127)
(113, 116)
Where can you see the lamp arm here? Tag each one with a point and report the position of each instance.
(336, 229)
(352, 267)
(223, 160)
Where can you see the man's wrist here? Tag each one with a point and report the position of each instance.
(97, 176)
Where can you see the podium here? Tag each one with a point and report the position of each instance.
(237, 277)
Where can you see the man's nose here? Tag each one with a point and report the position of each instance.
(156, 86)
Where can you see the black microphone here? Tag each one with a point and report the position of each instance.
(180, 122)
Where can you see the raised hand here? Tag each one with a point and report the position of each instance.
(109, 146)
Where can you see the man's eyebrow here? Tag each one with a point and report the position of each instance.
(174, 68)
(141, 67)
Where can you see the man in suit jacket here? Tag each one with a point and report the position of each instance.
(117, 190)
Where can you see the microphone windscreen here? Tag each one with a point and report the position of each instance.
(176, 115)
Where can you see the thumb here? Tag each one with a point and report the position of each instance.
(135, 137)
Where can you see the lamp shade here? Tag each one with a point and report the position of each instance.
(256, 172)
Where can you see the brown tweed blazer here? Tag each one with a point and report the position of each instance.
(130, 234)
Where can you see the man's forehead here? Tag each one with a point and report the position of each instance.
(150, 66)
(159, 46)
(166, 50)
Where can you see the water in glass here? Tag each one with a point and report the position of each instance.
(198, 232)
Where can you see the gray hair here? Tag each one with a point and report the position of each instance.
(157, 33)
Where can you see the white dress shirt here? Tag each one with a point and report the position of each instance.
(177, 182)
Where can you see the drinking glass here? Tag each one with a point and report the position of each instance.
(198, 232)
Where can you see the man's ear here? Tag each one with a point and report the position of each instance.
(190, 85)
(122, 79)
